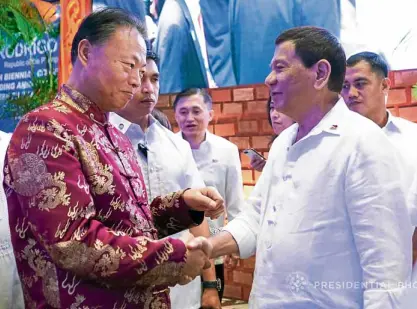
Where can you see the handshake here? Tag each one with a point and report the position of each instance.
(199, 251)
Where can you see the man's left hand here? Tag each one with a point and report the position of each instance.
(210, 299)
(206, 199)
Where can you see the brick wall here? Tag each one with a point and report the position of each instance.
(240, 116)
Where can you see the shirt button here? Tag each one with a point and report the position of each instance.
(121, 126)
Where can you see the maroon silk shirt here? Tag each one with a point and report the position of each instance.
(83, 233)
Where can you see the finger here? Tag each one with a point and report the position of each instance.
(207, 264)
(212, 193)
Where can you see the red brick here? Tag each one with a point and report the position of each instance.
(256, 107)
(247, 176)
(170, 114)
(240, 141)
(405, 78)
(233, 291)
(243, 94)
(221, 95)
(246, 292)
(266, 127)
(257, 175)
(249, 263)
(265, 154)
(225, 129)
(247, 190)
(228, 276)
(261, 142)
(211, 128)
(217, 108)
(397, 97)
(175, 129)
(163, 101)
(242, 277)
(248, 126)
(244, 160)
(409, 113)
(232, 108)
(262, 92)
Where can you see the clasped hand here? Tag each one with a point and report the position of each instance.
(198, 258)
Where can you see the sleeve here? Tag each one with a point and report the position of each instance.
(50, 186)
(234, 201)
(376, 205)
(412, 202)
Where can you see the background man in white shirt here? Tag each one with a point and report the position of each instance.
(11, 296)
(326, 217)
(167, 165)
(217, 159)
(365, 91)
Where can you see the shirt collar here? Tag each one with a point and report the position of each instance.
(123, 124)
(81, 103)
(332, 121)
(391, 122)
(119, 122)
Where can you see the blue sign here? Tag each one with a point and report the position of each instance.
(16, 67)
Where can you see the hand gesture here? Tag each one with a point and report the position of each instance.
(198, 252)
(206, 199)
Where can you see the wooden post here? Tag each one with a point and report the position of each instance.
(72, 13)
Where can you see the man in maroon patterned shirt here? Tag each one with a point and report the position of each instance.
(83, 233)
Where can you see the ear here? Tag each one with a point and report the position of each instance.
(84, 50)
(386, 85)
(211, 115)
(322, 74)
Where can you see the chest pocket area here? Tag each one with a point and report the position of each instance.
(214, 174)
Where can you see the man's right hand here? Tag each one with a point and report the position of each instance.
(257, 163)
(198, 252)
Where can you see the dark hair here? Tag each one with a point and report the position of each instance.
(162, 118)
(193, 91)
(313, 44)
(101, 24)
(150, 55)
(377, 62)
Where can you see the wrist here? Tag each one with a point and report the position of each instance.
(212, 285)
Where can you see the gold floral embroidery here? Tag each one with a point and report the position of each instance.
(54, 195)
(30, 174)
(45, 270)
(166, 273)
(87, 261)
(140, 248)
(168, 201)
(100, 177)
(60, 107)
(61, 133)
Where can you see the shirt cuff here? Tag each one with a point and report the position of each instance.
(244, 237)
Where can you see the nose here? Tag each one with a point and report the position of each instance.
(353, 92)
(134, 79)
(271, 79)
(146, 86)
(274, 114)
